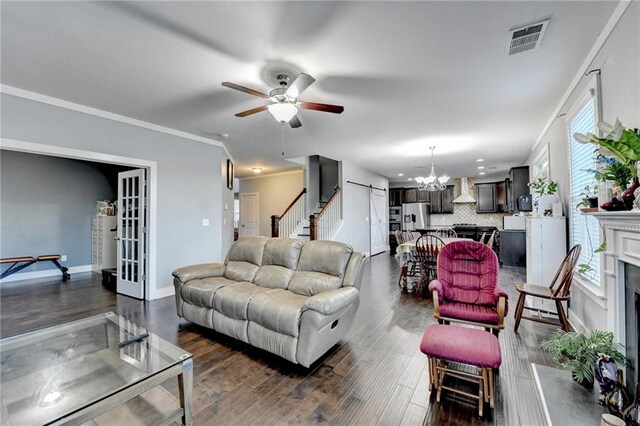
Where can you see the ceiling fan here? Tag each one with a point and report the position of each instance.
(284, 104)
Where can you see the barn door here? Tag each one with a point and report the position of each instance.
(379, 226)
(131, 235)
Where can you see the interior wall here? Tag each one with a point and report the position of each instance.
(276, 192)
(189, 180)
(311, 179)
(46, 205)
(329, 177)
(620, 96)
(356, 228)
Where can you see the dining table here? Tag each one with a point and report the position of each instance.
(406, 252)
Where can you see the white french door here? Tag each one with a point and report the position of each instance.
(131, 235)
(378, 221)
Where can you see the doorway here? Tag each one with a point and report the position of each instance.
(249, 214)
(146, 273)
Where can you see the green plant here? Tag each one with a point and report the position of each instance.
(622, 143)
(579, 351)
(589, 191)
(616, 172)
(541, 187)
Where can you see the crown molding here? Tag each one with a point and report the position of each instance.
(261, 176)
(602, 38)
(61, 103)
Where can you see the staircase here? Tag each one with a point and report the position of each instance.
(323, 224)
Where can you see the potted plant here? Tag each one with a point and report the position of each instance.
(624, 145)
(545, 192)
(588, 198)
(579, 352)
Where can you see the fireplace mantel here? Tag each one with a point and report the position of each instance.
(622, 232)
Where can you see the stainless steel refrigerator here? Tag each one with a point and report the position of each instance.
(415, 216)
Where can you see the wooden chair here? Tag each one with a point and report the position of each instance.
(428, 248)
(412, 268)
(491, 239)
(445, 233)
(558, 291)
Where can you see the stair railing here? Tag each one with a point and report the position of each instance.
(284, 225)
(323, 225)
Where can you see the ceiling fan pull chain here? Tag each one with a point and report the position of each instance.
(282, 126)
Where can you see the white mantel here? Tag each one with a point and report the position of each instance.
(622, 231)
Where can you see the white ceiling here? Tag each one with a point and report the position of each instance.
(409, 74)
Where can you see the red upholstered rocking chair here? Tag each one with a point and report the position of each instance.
(467, 290)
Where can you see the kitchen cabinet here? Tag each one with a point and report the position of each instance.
(518, 185)
(486, 198)
(501, 196)
(424, 196)
(513, 248)
(410, 195)
(396, 197)
(446, 203)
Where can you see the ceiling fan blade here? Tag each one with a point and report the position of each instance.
(337, 109)
(251, 111)
(299, 85)
(295, 122)
(244, 89)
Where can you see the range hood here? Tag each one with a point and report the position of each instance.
(464, 196)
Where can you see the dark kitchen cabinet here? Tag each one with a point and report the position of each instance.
(445, 200)
(411, 195)
(395, 197)
(486, 198)
(424, 196)
(518, 185)
(501, 196)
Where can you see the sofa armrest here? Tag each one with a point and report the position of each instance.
(329, 302)
(204, 270)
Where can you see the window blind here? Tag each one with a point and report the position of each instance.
(584, 228)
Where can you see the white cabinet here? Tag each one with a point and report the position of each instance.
(546, 248)
(103, 243)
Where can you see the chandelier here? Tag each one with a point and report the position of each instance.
(432, 183)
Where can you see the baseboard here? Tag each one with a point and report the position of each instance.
(21, 276)
(164, 292)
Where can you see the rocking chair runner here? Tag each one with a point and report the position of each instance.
(558, 291)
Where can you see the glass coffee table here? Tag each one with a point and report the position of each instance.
(93, 371)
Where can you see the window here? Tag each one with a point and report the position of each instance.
(585, 229)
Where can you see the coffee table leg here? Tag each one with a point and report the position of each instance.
(185, 383)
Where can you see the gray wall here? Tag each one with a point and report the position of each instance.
(190, 184)
(311, 180)
(329, 177)
(46, 205)
(619, 60)
(356, 229)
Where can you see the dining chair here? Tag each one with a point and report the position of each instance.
(445, 233)
(467, 290)
(412, 267)
(491, 239)
(482, 238)
(558, 291)
(428, 248)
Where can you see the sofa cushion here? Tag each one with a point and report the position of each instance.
(233, 300)
(278, 310)
(328, 257)
(273, 276)
(244, 258)
(199, 292)
(283, 252)
(307, 283)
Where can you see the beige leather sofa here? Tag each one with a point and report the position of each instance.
(288, 297)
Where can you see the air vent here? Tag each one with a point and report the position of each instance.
(521, 39)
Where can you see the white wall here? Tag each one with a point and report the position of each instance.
(275, 194)
(355, 205)
(190, 184)
(619, 60)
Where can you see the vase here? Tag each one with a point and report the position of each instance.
(545, 204)
(632, 414)
(628, 196)
(614, 205)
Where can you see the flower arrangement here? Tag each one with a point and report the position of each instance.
(618, 142)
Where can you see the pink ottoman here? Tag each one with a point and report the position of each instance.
(478, 348)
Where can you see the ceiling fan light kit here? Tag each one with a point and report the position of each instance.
(432, 182)
(283, 111)
(284, 99)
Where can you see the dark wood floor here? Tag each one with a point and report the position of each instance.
(376, 376)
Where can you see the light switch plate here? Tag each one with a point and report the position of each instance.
(63, 258)
(205, 222)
